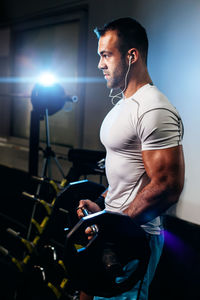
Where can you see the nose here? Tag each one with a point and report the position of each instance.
(101, 64)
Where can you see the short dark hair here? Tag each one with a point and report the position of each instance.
(131, 34)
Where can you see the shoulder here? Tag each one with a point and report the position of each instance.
(150, 98)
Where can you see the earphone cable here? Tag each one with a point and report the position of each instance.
(125, 86)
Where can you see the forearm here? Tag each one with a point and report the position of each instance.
(152, 201)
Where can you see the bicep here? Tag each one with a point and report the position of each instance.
(165, 167)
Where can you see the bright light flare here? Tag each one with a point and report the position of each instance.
(47, 79)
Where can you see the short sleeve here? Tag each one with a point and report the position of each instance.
(160, 128)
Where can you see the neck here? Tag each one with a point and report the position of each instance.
(136, 80)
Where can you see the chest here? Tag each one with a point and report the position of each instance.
(119, 128)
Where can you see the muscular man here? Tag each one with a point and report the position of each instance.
(142, 135)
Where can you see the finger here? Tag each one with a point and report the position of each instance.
(89, 231)
(83, 202)
(80, 212)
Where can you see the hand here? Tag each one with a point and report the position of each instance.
(91, 207)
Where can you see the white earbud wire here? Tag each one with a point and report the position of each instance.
(125, 86)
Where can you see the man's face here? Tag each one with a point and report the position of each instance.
(111, 62)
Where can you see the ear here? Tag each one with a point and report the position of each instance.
(133, 55)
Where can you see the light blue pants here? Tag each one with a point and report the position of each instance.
(140, 290)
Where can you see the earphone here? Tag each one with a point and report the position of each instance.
(131, 56)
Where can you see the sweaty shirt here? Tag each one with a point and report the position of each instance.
(145, 121)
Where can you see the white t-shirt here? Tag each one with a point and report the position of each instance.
(145, 121)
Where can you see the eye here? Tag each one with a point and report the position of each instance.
(105, 55)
